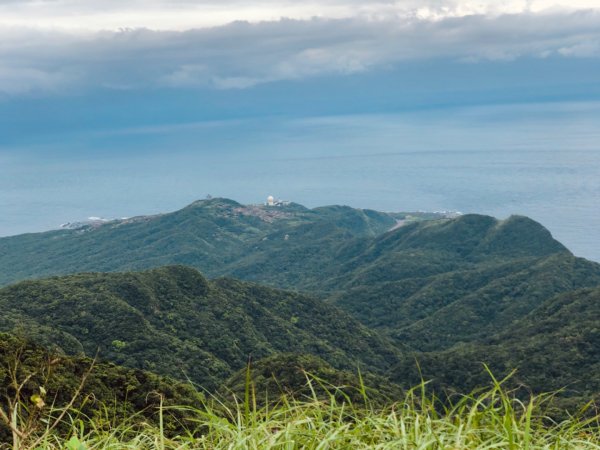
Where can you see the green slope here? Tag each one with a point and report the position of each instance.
(175, 322)
(305, 376)
(434, 284)
(208, 235)
(555, 346)
(107, 385)
(429, 284)
(467, 304)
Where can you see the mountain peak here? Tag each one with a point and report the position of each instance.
(519, 236)
(214, 202)
(478, 236)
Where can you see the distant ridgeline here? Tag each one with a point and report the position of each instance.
(383, 289)
(216, 236)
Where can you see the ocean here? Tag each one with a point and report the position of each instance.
(540, 160)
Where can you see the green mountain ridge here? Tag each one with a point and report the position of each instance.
(207, 234)
(466, 305)
(554, 347)
(376, 292)
(175, 322)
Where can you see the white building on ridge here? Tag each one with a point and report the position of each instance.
(271, 201)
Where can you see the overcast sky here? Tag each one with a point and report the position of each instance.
(54, 46)
(70, 67)
(85, 15)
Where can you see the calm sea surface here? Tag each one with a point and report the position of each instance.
(542, 161)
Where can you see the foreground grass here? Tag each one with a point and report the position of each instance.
(486, 420)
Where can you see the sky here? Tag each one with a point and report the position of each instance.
(58, 47)
(88, 88)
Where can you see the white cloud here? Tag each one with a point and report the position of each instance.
(187, 14)
(243, 54)
(585, 49)
(23, 80)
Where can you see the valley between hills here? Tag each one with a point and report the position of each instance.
(189, 298)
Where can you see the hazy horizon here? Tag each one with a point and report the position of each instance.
(143, 107)
(468, 159)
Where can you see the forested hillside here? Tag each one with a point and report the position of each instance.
(175, 322)
(208, 234)
(381, 291)
(428, 283)
(556, 346)
(304, 376)
(52, 380)
(465, 305)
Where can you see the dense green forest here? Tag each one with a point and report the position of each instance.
(45, 378)
(555, 347)
(175, 322)
(209, 235)
(362, 300)
(324, 248)
(303, 376)
(428, 284)
(58, 403)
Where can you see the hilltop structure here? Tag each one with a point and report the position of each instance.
(271, 201)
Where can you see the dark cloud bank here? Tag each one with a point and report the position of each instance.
(242, 55)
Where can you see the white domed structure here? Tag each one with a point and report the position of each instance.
(270, 200)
